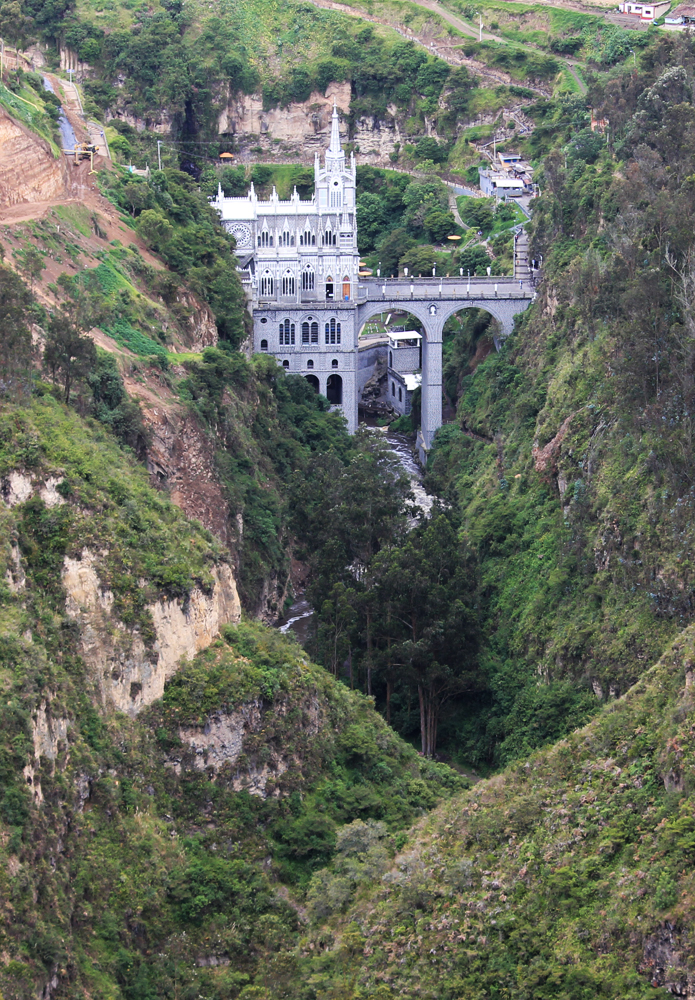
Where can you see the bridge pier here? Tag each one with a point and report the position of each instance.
(431, 407)
(432, 301)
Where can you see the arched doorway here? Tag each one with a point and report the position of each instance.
(334, 389)
(346, 288)
(313, 382)
(329, 288)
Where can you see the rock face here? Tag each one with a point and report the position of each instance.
(28, 170)
(130, 675)
(301, 128)
(182, 458)
(201, 329)
(376, 139)
(228, 742)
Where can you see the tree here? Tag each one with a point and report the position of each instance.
(474, 259)
(586, 145)
(391, 248)
(479, 213)
(233, 181)
(371, 220)
(439, 224)
(15, 336)
(68, 354)
(429, 149)
(420, 198)
(32, 265)
(419, 261)
(426, 591)
(137, 195)
(15, 26)
(154, 228)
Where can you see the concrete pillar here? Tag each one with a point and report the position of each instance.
(431, 418)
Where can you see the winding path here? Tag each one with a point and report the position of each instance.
(466, 29)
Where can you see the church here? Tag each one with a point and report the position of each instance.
(304, 265)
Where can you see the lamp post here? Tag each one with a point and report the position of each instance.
(468, 289)
(434, 271)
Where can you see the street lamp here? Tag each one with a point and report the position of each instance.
(434, 271)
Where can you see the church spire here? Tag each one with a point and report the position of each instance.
(334, 147)
(335, 157)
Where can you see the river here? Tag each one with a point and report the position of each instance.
(299, 619)
(67, 134)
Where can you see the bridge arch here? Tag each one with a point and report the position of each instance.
(486, 306)
(433, 301)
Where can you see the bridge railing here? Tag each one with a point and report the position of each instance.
(445, 288)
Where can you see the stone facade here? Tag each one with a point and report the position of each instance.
(309, 304)
(303, 262)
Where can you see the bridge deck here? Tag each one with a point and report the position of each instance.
(444, 288)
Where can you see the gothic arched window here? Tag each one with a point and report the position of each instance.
(305, 333)
(332, 332)
(288, 283)
(287, 334)
(264, 345)
(267, 284)
(308, 279)
(314, 333)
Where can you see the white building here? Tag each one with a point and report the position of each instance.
(404, 363)
(303, 262)
(645, 11)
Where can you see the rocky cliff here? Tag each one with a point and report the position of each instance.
(135, 621)
(129, 673)
(28, 169)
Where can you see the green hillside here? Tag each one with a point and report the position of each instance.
(568, 875)
(132, 866)
(194, 807)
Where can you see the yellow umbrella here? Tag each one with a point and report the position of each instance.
(453, 237)
(365, 274)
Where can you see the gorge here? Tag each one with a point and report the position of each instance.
(473, 777)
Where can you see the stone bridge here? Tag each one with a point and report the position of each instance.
(432, 301)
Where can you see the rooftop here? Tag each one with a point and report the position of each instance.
(412, 381)
(404, 335)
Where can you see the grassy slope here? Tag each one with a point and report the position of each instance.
(130, 875)
(569, 875)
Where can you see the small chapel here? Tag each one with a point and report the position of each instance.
(303, 260)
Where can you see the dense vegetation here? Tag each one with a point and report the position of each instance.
(247, 834)
(135, 887)
(574, 486)
(569, 875)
